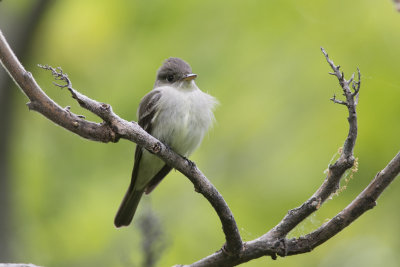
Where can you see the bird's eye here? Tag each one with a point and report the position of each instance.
(170, 78)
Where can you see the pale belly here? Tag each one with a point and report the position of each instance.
(181, 123)
(183, 120)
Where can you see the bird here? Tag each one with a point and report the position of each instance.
(177, 113)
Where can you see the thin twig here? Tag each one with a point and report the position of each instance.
(337, 101)
(59, 75)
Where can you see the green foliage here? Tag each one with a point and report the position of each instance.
(276, 129)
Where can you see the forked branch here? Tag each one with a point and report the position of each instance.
(274, 242)
(234, 252)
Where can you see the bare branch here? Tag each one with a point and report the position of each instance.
(58, 75)
(356, 85)
(268, 245)
(364, 201)
(274, 243)
(335, 69)
(332, 180)
(111, 130)
(337, 101)
(40, 102)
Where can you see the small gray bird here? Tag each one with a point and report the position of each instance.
(177, 113)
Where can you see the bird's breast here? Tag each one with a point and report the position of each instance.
(183, 117)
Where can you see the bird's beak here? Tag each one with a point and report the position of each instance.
(189, 77)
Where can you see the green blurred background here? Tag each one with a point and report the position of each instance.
(276, 129)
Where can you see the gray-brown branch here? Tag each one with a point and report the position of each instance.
(274, 242)
(269, 245)
(111, 130)
(234, 252)
(335, 171)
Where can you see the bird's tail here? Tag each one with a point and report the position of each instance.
(128, 207)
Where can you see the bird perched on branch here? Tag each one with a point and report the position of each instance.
(177, 113)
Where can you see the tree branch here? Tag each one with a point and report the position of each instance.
(274, 242)
(269, 245)
(335, 171)
(111, 130)
(364, 201)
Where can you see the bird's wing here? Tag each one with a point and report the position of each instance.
(146, 112)
(127, 209)
(157, 179)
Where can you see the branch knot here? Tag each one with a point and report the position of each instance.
(156, 148)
